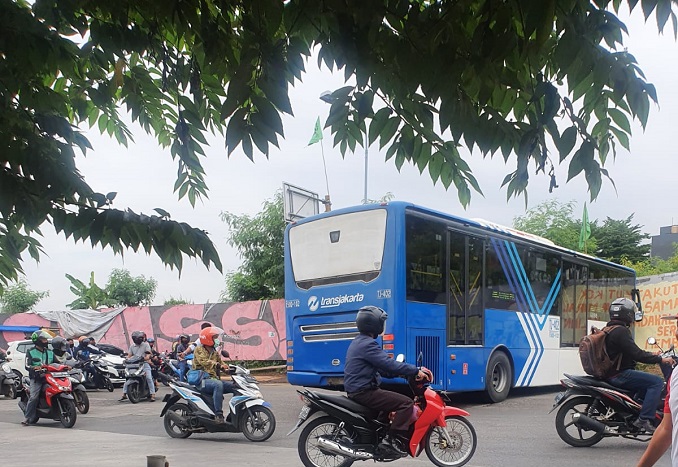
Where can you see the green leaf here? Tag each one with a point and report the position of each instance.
(619, 118)
(567, 142)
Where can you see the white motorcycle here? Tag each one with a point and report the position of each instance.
(187, 410)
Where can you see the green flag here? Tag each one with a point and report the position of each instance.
(585, 233)
(317, 133)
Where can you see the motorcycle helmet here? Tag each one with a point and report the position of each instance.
(623, 309)
(184, 338)
(59, 346)
(370, 320)
(150, 340)
(211, 336)
(138, 337)
(40, 338)
(84, 341)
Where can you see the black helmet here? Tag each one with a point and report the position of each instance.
(623, 309)
(59, 346)
(184, 337)
(138, 337)
(370, 320)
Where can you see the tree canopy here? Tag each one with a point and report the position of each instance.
(18, 298)
(259, 241)
(618, 239)
(538, 82)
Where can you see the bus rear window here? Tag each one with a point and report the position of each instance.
(343, 248)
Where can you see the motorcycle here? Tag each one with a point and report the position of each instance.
(56, 399)
(138, 387)
(99, 374)
(187, 410)
(348, 432)
(8, 382)
(77, 378)
(170, 368)
(592, 409)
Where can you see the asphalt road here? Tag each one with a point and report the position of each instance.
(516, 432)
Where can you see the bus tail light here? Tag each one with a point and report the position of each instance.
(388, 338)
(388, 346)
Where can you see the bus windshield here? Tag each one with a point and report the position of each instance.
(343, 248)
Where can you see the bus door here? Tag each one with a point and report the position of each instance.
(465, 361)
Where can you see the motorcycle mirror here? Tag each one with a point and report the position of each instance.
(420, 358)
(224, 353)
(651, 340)
(400, 357)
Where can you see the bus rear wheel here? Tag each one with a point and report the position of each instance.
(498, 377)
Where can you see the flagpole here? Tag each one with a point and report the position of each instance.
(322, 151)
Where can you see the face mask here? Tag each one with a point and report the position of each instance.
(217, 342)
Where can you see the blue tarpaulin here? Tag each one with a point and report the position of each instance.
(18, 328)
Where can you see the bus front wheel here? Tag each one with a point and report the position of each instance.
(498, 377)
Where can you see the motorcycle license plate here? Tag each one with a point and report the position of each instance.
(305, 410)
(559, 397)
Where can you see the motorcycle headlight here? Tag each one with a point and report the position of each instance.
(6, 368)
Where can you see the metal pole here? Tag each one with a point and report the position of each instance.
(365, 193)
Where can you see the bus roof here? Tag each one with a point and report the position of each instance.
(476, 222)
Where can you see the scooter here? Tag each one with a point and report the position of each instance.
(56, 399)
(591, 409)
(170, 368)
(137, 388)
(348, 432)
(8, 381)
(187, 410)
(99, 374)
(77, 378)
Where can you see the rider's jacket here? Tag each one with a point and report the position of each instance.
(207, 360)
(619, 340)
(83, 353)
(36, 357)
(365, 361)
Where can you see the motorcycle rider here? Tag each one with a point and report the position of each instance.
(366, 362)
(140, 348)
(619, 341)
(60, 349)
(206, 358)
(183, 363)
(36, 357)
(71, 347)
(155, 361)
(83, 352)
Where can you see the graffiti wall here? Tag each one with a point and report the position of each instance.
(659, 296)
(252, 330)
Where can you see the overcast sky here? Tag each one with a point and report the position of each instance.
(144, 175)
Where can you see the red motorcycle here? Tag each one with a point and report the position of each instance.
(349, 431)
(56, 399)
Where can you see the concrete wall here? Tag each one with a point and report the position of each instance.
(253, 330)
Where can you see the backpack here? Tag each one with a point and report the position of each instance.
(593, 354)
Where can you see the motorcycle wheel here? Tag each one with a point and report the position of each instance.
(257, 423)
(309, 452)
(67, 412)
(11, 391)
(81, 401)
(464, 442)
(109, 385)
(134, 393)
(172, 428)
(568, 431)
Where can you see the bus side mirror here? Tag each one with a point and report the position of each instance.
(639, 316)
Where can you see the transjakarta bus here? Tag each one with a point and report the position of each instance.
(488, 307)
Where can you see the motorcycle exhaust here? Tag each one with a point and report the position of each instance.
(177, 419)
(587, 423)
(336, 448)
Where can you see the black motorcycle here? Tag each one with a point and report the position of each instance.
(137, 388)
(9, 382)
(96, 376)
(591, 409)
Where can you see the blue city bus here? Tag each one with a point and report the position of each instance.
(489, 308)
